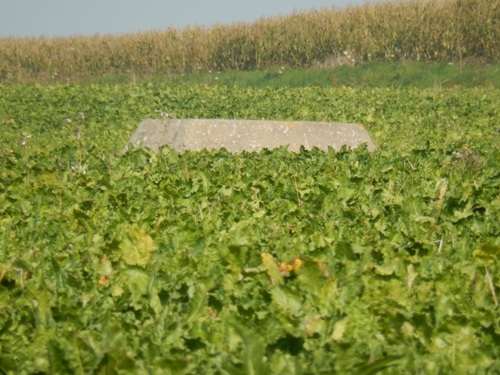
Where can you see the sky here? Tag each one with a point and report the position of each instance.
(63, 18)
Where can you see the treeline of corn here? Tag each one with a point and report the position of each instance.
(422, 30)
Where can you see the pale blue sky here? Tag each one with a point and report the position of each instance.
(50, 18)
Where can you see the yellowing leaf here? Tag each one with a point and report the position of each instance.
(103, 280)
(441, 189)
(294, 265)
(285, 267)
(272, 268)
(315, 325)
(339, 329)
(105, 267)
(411, 276)
(137, 247)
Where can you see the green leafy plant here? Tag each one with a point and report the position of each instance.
(272, 262)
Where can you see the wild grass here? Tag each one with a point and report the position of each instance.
(459, 31)
(368, 75)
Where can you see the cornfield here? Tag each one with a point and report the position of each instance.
(418, 30)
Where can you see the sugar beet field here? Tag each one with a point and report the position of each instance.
(254, 263)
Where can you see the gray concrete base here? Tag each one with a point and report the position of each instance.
(247, 135)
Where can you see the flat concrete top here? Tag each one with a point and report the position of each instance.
(247, 135)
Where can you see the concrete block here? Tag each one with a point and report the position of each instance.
(247, 135)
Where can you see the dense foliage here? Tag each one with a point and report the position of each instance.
(417, 30)
(271, 262)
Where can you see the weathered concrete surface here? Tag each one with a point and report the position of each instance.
(247, 135)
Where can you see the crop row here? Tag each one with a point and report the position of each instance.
(445, 30)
